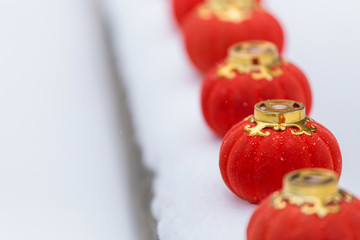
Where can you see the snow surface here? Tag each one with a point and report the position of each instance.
(191, 201)
(62, 169)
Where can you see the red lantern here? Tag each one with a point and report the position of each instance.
(253, 72)
(182, 7)
(257, 152)
(214, 26)
(309, 207)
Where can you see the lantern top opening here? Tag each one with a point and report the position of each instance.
(254, 53)
(314, 182)
(279, 111)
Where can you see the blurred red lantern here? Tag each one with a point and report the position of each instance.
(257, 152)
(215, 25)
(182, 7)
(309, 207)
(253, 72)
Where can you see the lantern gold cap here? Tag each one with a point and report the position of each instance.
(313, 182)
(314, 190)
(233, 3)
(260, 59)
(279, 111)
(234, 11)
(254, 53)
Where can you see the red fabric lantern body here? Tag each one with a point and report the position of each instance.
(212, 28)
(253, 72)
(314, 210)
(182, 7)
(257, 152)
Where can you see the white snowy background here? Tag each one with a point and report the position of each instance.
(62, 166)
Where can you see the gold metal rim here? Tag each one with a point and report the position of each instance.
(234, 11)
(254, 53)
(233, 3)
(260, 59)
(315, 182)
(279, 111)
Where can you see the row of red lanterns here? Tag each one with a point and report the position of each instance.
(237, 45)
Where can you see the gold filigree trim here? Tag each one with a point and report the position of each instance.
(317, 193)
(312, 205)
(260, 59)
(234, 11)
(279, 115)
(260, 126)
(257, 72)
